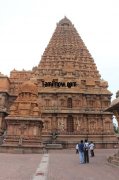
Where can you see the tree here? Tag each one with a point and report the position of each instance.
(115, 128)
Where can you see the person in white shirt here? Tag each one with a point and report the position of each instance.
(77, 149)
(91, 147)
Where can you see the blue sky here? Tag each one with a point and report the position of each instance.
(26, 27)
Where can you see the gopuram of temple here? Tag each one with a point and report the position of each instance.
(61, 100)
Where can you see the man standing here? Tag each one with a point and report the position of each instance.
(81, 151)
(86, 152)
(91, 146)
(77, 149)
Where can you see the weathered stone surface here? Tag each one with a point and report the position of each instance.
(24, 124)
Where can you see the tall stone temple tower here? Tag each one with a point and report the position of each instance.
(70, 99)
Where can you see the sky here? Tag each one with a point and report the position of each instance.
(26, 27)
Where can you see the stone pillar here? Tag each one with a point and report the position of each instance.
(54, 123)
(3, 124)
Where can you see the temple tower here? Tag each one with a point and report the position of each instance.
(72, 96)
(72, 92)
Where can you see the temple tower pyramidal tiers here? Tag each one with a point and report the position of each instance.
(62, 100)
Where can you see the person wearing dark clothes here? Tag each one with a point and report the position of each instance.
(81, 151)
(86, 151)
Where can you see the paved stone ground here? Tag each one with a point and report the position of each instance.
(66, 166)
(18, 166)
(63, 165)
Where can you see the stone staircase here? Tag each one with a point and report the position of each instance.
(114, 160)
(54, 146)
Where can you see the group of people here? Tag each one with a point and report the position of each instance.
(83, 148)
